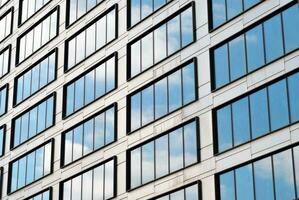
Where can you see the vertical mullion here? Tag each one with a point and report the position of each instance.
(282, 31)
(269, 111)
(104, 177)
(232, 124)
(264, 44)
(288, 100)
(235, 184)
(273, 177)
(250, 122)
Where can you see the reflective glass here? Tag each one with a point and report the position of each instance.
(173, 35)
(161, 156)
(89, 87)
(244, 183)
(147, 105)
(147, 52)
(175, 90)
(135, 58)
(293, 83)
(135, 111)
(227, 188)
(219, 12)
(88, 137)
(237, 57)
(290, 28)
(98, 184)
(176, 150)
(79, 90)
(135, 167)
(159, 44)
(161, 98)
(188, 84)
(234, 7)
(187, 27)
(190, 144)
(146, 8)
(221, 66)
(224, 129)
(148, 162)
(135, 11)
(78, 143)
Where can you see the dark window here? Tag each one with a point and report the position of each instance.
(172, 151)
(91, 38)
(6, 22)
(5, 56)
(33, 121)
(31, 167)
(98, 182)
(163, 96)
(40, 74)
(92, 134)
(43, 195)
(225, 10)
(29, 7)
(38, 35)
(258, 113)
(162, 41)
(266, 178)
(2, 140)
(256, 47)
(90, 86)
(3, 99)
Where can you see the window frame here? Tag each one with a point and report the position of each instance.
(152, 139)
(1, 180)
(3, 127)
(8, 47)
(247, 94)
(64, 98)
(234, 36)
(55, 9)
(6, 86)
(181, 66)
(267, 155)
(50, 141)
(1, 6)
(20, 23)
(50, 189)
(114, 158)
(84, 28)
(62, 146)
(151, 30)
(10, 11)
(12, 147)
(54, 51)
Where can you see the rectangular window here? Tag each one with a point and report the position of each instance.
(169, 152)
(6, 24)
(43, 195)
(97, 182)
(90, 86)
(33, 121)
(36, 77)
(3, 2)
(140, 9)
(90, 135)
(37, 36)
(257, 113)
(255, 47)
(169, 93)
(91, 38)
(223, 11)
(162, 41)
(5, 56)
(263, 178)
(188, 192)
(31, 167)
(3, 99)
(28, 8)
(2, 140)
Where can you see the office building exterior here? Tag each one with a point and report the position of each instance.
(149, 99)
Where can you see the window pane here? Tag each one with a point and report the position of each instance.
(259, 113)
(176, 150)
(78, 142)
(249, 3)
(179, 195)
(221, 66)
(39, 164)
(273, 42)
(224, 129)
(81, 9)
(89, 87)
(135, 59)
(110, 132)
(90, 42)
(86, 182)
(50, 112)
(101, 33)
(76, 188)
(79, 91)
(234, 7)
(160, 44)
(35, 78)
(283, 175)
(293, 83)
(219, 12)
(135, 111)
(99, 131)
(244, 183)
(70, 99)
(111, 24)
(43, 73)
(241, 122)
(173, 34)
(24, 128)
(175, 90)
(100, 80)
(161, 155)
(190, 144)
(110, 74)
(98, 184)
(30, 166)
(148, 162)
(67, 190)
(189, 84)
(22, 173)
(187, 27)
(68, 147)
(37, 37)
(147, 51)
(160, 98)
(147, 105)
(80, 48)
(296, 163)
(29, 43)
(278, 102)
(14, 177)
(158, 3)
(41, 125)
(237, 57)
(45, 30)
(135, 11)
(255, 48)
(147, 8)
(192, 192)
(227, 186)
(71, 53)
(47, 159)
(54, 29)
(263, 179)
(91, 4)
(109, 180)
(33, 122)
(135, 167)
(27, 89)
(290, 28)
(73, 10)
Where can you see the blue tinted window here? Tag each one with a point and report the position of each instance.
(219, 12)
(221, 66)
(234, 7)
(244, 183)
(188, 84)
(147, 162)
(237, 57)
(3, 99)
(161, 107)
(88, 137)
(224, 128)
(175, 90)
(291, 28)
(249, 3)
(176, 150)
(2, 141)
(227, 184)
(147, 105)
(293, 83)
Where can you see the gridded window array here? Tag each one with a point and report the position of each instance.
(42, 73)
(30, 167)
(272, 177)
(140, 9)
(3, 2)
(96, 183)
(259, 113)
(256, 47)
(92, 134)
(225, 10)
(90, 86)
(163, 96)
(33, 121)
(168, 153)
(44, 195)
(189, 192)
(78, 8)
(97, 34)
(29, 8)
(161, 42)
(37, 36)
(2, 140)
(3, 99)
(6, 24)
(5, 61)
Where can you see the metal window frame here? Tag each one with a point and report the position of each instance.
(9, 11)
(2, 51)
(5, 87)
(3, 127)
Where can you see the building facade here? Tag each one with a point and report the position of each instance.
(149, 99)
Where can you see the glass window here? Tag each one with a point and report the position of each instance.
(68, 141)
(244, 183)
(176, 150)
(101, 32)
(77, 143)
(2, 141)
(91, 41)
(224, 128)
(290, 28)
(44, 195)
(160, 45)
(227, 187)
(187, 192)
(6, 24)
(135, 111)
(135, 167)
(190, 144)
(234, 7)
(3, 99)
(147, 105)
(147, 162)
(237, 57)
(98, 183)
(293, 82)
(187, 26)
(250, 3)
(218, 12)
(88, 136)
(135, 60)
(221, 66)
(89, 87)
(29, 8)
(146, 54)
(161, 107)
(189, 87)
(173, 35)
(5, 61)
(111, 25)
(161, 156)
(175, 90)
